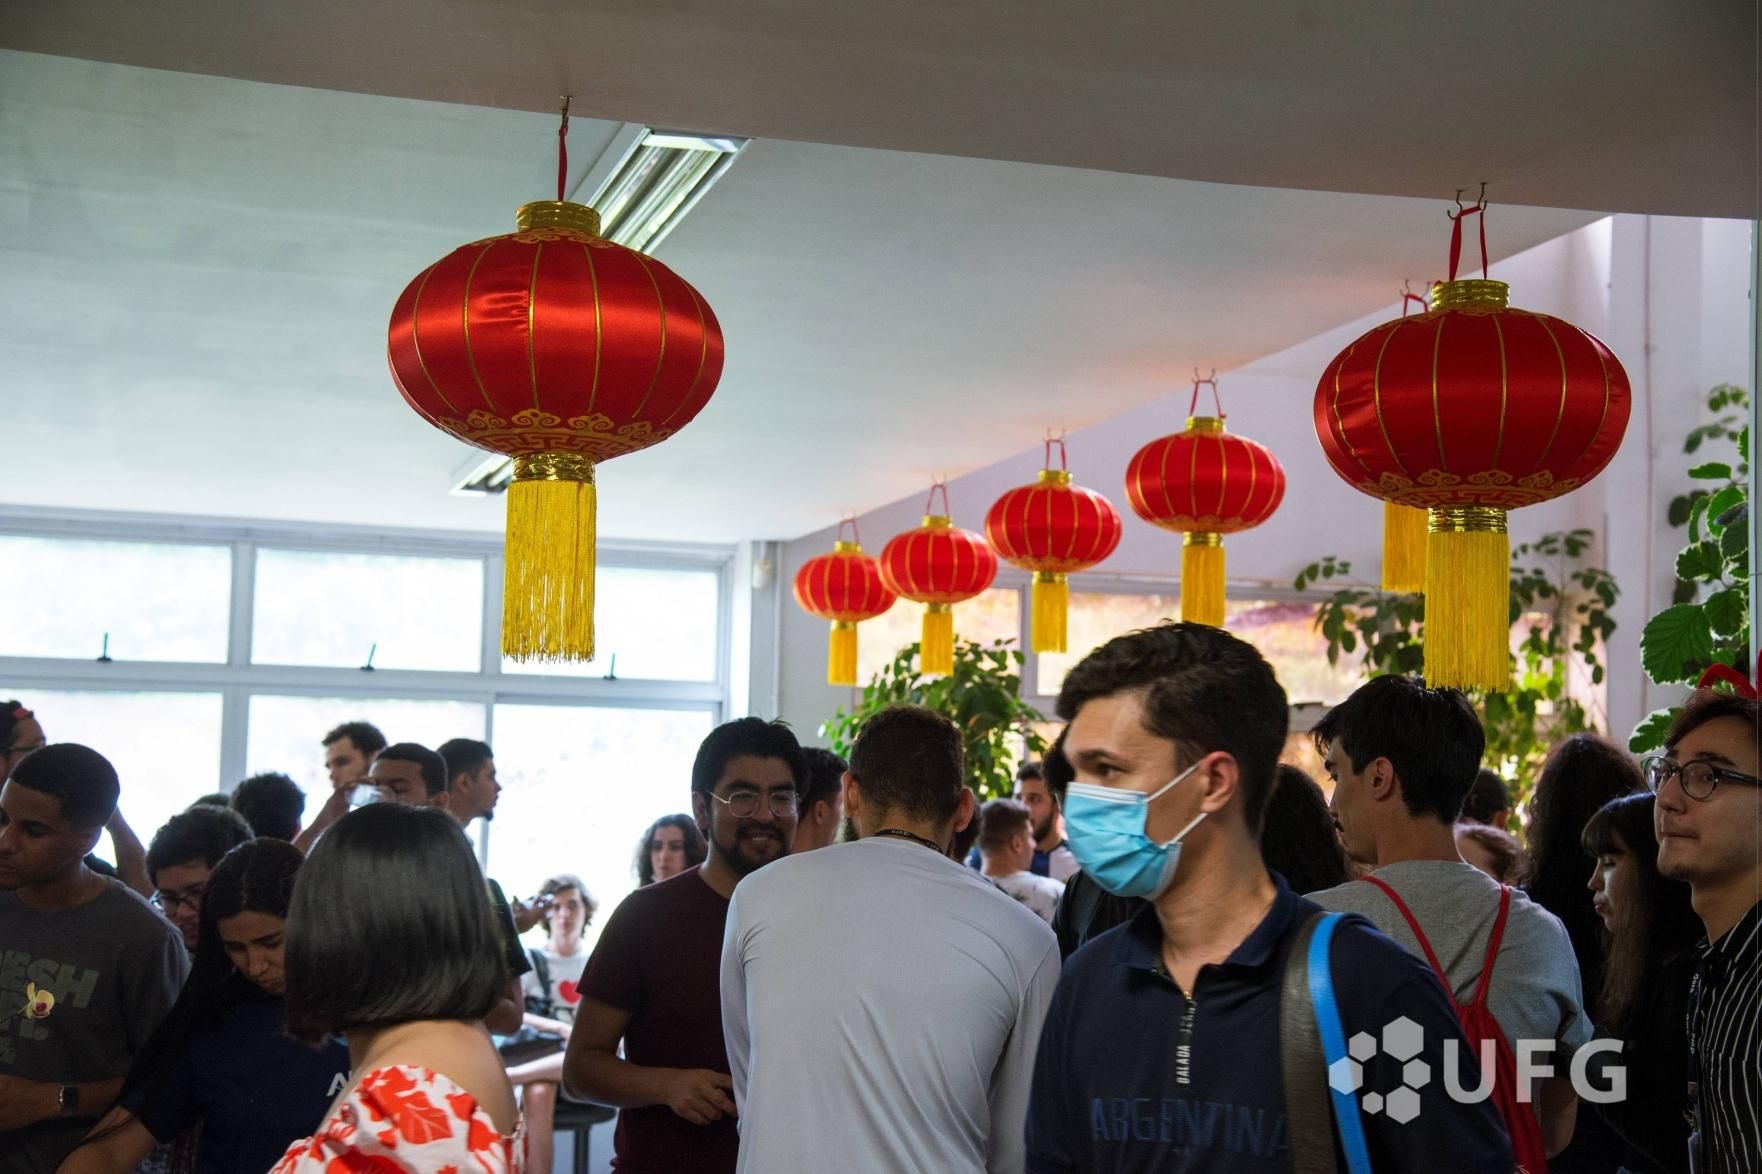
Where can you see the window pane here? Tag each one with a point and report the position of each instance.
(579, 787)
(1284, 633)
(286, 733)
(165, 746)
(328, 608)
(155, 602)
(988, 617)
(652, 624)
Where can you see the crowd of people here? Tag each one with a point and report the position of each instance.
(1161, 953)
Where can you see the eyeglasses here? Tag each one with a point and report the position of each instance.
(745, 804)
(171, 902)
(1698, 778)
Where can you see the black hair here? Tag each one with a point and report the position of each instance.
(1659, 921)
(1431, 737)
(435, 778)
(204, 833)
(909, 759)
(464, 756)
(272, 804)
(390, 923)
(825, 776)
(751, 737)
(80, 779)
(255, 877)
(1056, 768)
(11, 714)
(562, 882)
(1203, 690)
(1297, 839)
(1486, 798)
(365, 736)
(1030, 770)
(212, 799)
(1000, 820)
(1707, 705)
(1579, 776)
(695, 848)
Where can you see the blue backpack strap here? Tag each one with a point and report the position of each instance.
(1333, 1038)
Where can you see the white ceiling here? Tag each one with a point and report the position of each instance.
(196, 266)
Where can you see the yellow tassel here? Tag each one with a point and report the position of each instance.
(1202, 578)
(1404, 549)
(1052, 597)
(547, 587)
(1468, 599)
(936, 655)
(841, 654)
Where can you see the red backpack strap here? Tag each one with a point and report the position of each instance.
(1493, 940)
(1412, 924)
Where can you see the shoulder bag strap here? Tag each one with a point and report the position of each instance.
(1412, 924)
(1333, 1038)
(1493, 941)
(1309, 1128)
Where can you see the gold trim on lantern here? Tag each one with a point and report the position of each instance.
(1467, 295)
(1054, 477)
(1202, 538)
(843, 547)
(938, 522)
(557, 214)
(1466, 519)
(1206, 425)
(554, 466)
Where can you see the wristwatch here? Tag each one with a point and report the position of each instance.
(67, 1100)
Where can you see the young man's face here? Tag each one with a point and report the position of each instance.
(399, 782)
(346, 762)
(178, 890)
(1108, 745)
(818, 825)
(475, 794)
(1041, 808)
(750, 817)
(567, 917)
(1707, 841)
(37, 844)
(1352, 804)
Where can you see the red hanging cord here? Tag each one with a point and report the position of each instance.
(855, 537)
(563, 150)
(1063, 461)
(1407, 295)
(1456, 219)
(1211, 381)
(929, 505)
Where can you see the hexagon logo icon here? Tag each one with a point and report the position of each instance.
(1345, 1075)
(1402, 1105)
(1362, 1046)
(1403, 1039)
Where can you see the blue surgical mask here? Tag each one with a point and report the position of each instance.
(1106, 827)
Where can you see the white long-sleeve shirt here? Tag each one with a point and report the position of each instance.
(882, 1005)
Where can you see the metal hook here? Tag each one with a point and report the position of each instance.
(1480, 203)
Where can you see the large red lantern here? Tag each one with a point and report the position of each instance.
(560, 349)
(938, 564)
(1470, 410)
(845, 588)
(1205, 483)
(1054, 529)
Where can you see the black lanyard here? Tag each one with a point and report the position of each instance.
(905, 835)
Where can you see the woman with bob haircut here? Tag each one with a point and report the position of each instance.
(221, 1059)
(391, 944)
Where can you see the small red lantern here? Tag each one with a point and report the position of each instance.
(560, 349)
(1204, 483)
(1052, 528)
(1468, 411)
(938, 564)
(844, 587)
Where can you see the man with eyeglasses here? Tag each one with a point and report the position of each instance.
(181, 856)
(652, 982)
(1708, 817)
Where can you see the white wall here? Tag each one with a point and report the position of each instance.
(1681, 283)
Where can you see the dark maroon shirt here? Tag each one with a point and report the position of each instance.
(660, 959)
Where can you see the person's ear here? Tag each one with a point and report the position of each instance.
(444, 800)
(965, 812)
(1383, 783)
(853, 795)
(1221, 777)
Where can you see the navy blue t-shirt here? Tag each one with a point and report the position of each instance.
(1132, 1078)
(254, 1090)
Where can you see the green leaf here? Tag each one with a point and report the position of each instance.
(1726, 611)
(1702, 561)
(1683, 592)
(1676, 644)
(1649, 734)
(1734, 544)
(1744, 444)
(1678, 513)
(1721, 504)
(1711, 471)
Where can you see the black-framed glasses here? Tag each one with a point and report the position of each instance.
(745, 804)
(172, 902)
(1698, 778)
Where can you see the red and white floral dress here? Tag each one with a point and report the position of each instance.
(407, 1119)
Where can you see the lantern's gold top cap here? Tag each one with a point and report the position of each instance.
(843, 547)
(557, 214)
(937, 522)
(1207, 425)
(1055, 476)
(1463, 295)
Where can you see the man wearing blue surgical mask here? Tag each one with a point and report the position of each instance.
(1162, 1048)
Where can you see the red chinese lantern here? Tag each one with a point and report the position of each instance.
(1052, 528)
(844, 587)
(1404, 528)
(560, 349)
(1470, 410)
(1204, 483)
(938, 564)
